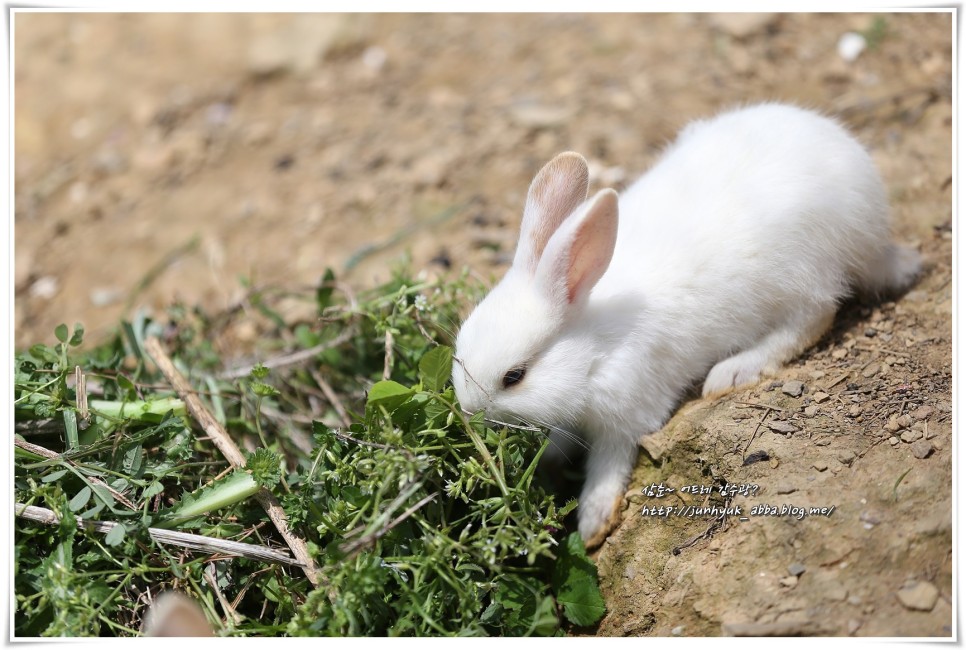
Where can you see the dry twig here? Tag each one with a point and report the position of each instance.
(174, 538)
(232, 454)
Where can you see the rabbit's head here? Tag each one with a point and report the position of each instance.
(518, 354)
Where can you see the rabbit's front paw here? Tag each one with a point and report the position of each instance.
(598, 515)
(741, 369)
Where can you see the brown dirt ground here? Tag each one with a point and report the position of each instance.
(166, 156)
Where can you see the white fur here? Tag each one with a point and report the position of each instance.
(731, 257)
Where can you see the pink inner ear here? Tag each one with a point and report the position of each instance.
(583, 268)
(592, 247)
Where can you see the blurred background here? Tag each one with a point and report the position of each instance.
(169, 156)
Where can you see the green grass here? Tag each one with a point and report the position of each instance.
(423, 520)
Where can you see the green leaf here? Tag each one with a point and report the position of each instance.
(80, 499)
(265, 466)
(323, 294)
(388, 394)
(151, 490)
(70, 428)
(574, 581)
(61, 333)
(78, 336)
(435, 367)
(234, 488)
(54, 476)
(116, 535)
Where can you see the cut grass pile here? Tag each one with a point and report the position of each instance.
(364, 500)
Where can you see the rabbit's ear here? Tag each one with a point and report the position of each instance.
(174, 614)
(578, 254)
(556, 191)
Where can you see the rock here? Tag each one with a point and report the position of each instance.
(785, 488)
(855, 410)
(302, 41)
(893, 441)
(871, 518)
(910, 436)
(850, 46)
(811, 411)
(789, 581)
(820, 465)
(853, 626)
(793, 388)
(892, 425)
(374, 58)
(538, 116)
(741, 25)
(45, 287)
(839, 353)
(104, 296)
(871, 369)
(820, 397)
(922, 449)
(904, 421)
(918, 595)
(677, 631)
(922, 412)
(796, 569)
(846, 456)
(871, 332)
(781, 426)
(817, 374)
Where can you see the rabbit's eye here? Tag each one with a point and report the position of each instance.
(514, 376)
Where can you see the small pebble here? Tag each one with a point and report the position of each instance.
(893, 441)
(850, 46)
(785, 488)
(678, 630)
(855, 410)
(796, 569)
(45, 287)
(788, 581)
(871, 331)
(820, 397)
(922, 449)
(817, 374)
(811, 411)
(855, 600)
(922, 412)
(104, 296)
(846, 456)
(904, 421)
(910, 436)
(892, 425)
(820, 465)
(780, 426)
(793, 388)
(918, 595)
(871, 518)
(853, 625)
(871, 369)
(839, 353)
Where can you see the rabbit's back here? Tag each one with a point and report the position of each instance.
(760, 205)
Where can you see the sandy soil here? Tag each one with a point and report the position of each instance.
(165, 156)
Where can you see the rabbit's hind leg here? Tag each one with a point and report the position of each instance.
(768, 355)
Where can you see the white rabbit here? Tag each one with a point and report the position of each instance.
(730, 257)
